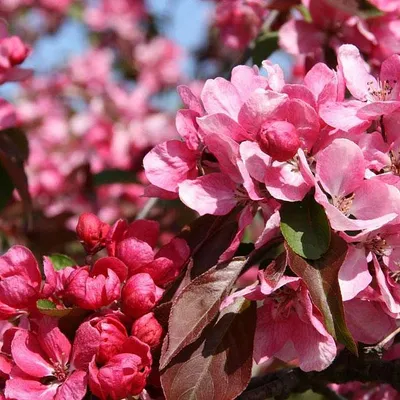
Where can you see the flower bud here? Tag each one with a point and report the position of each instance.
(139, 295)
(279, 140)
(148, 330)
(112, 337)
(92, 232)
(124, 374)
(16, 50)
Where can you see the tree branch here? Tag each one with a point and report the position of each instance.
(346, 368)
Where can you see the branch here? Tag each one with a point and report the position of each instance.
(346, 368)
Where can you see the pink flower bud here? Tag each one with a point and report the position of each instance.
(92, 232)
(112, 337)
(90, 291)
(139, 295)
(148, 330)
(279, 140)
(16, 49)
(124, 374)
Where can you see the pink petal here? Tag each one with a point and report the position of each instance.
(101, 266)
(18, 388)
(255, 160)
(246, 80)
(377, 108)
(372, 192)
(344, 116)
(276, 78)
(29, 356)
(284, 184)
(170, 163)
(301, 92)
(267, 341)
(355, 71)
(19, 260)
(134, 253)
(187, 128)
(341, 223)
(354, 275)
(222, 124)
(220, 96)
(340, 167)
(74, 387)
(315, 351)
(305, 119)
(86, 344)
(209, 194)
(367, 321)
(300, 37)
(262, 105)
(176, 250)
(52, 341)
(390, 71)
(190, 100)
(323, 83)
(145, 230)
(226, 151)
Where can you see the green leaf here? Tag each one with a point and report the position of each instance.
(61, 261)
(264, 46)
(306, 228)
(47, 307)
(110, 176)
(7, 187)
(322, 279)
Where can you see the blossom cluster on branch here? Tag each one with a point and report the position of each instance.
(287, 279)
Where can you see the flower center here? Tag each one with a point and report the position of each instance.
(343, 204)
(379, 246)
(283, 302)
(60, 371)
(380, 92)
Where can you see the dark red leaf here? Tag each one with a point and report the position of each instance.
(321, 277)
(197, 305)
(208, 237)
(217, 366)
(12, 157)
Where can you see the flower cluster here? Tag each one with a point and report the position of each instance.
(256, 143)
(110, 302)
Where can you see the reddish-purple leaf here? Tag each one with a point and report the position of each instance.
(197, 305)
(321, 277)
(208, 237)
(217, 366)
(12, 157)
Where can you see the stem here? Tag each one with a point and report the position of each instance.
(377, 349)
(147, 208)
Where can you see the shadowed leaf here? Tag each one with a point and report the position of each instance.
(208, 237)
(321, 277)
(197, 305)
(217, 366)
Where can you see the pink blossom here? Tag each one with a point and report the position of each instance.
(20, 282)
(148, 330)
(289, 328)
(139, 295)
(95, 288)
(92, 232)
(44, 354)
(239, 21)
(124, 374)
